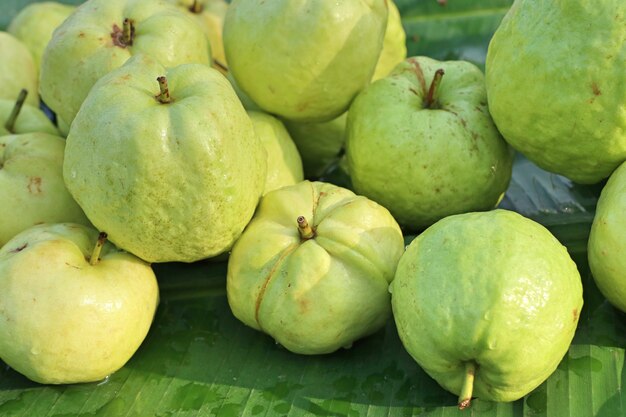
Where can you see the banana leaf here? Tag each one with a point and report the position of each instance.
(198, 360)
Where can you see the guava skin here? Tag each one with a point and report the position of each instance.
(17, 70)
(607, 240)
(173, 181)
(491, 287)
(32, 189)
(63, 320)
(318, 143)
(560, 100)
(304, 59)
(284, 165)
(30, 119)
(427, 163)
(315, 295)
(34, 25)
(83, 48)
(394, 44)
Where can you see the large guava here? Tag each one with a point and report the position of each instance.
(487, 303)
(312, 268)
(555, 74)
(171, 170)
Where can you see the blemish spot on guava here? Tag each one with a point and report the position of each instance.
(72, 266)
(34, 185)
(19, 249)
(595, 89)
(117, 36)
(575, 314)
(81, 34)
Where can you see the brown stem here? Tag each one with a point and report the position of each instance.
(164, 95)
(434, 85)
(9, 125)
(128, 32)
(305, 229)
(196, 7)
(95, 255)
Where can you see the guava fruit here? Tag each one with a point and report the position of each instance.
(394, 44)
(305, 59)
(312, 268)
(284, 166)
(73, 308)
(34, 25)
(555, 74)
(607, 240)
(209, 14)
(319, 144)
(170, 169)
(32, 190)
(421, 143)
(102, 34)
(487, 304)
(17, 70)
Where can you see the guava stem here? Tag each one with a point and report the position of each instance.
(164, 95)
(19, 103)
(465, 397)
(102, 237)
(196, 7)
(128, 32)
(434, 85)
(305, 229)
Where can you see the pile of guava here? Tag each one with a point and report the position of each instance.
(186, 130)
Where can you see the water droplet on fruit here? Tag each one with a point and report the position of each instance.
(492, 344)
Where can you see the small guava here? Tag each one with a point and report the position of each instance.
(487, 304)
(312, 268)
(284, 166)
(17, 70)
(607, 240)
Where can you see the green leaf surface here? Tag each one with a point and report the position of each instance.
(198, 360)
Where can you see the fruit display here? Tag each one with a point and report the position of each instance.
(312, 208)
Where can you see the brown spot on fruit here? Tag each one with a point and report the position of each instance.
(575, 315)
(34, 185)
(595, 89)
(20, 248)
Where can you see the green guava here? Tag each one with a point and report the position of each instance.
(394, 44)
(306, 59)
(17, 70)
(73, 308)
(102, 34)
(555, 74)
(34, 25)
(607, 240)
(32, 190)
(312, 268)
(487, 304)
(284, 166)
(421, 143)
(170, 169)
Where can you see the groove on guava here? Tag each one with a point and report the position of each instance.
(286, 252)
